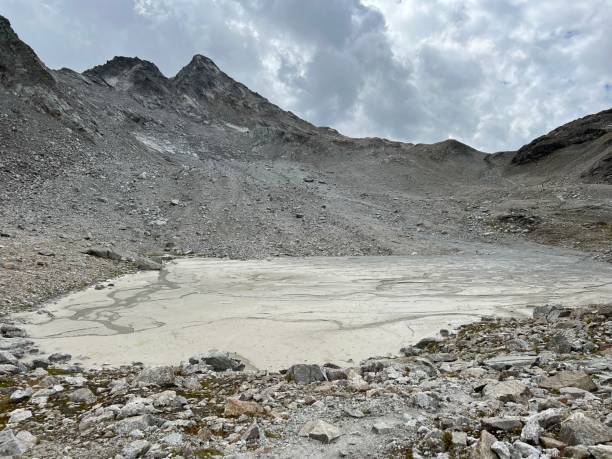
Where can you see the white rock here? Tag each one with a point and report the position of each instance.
(19, 415)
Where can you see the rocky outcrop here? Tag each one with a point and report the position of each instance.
(19, 65)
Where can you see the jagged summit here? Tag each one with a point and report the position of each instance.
(19, 64)
(127, 73)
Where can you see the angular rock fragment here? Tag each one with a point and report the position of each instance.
(156, 376)
(235, 408)
(219, 361)
(580, 429)
(562, 379)
(305, 374)
(320, 430)
(506, 391)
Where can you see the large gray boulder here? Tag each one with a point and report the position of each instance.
(156, 376)
(579, 429)
(219, 361)
(305, 374)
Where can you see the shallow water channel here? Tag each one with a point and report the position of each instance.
(277, 312)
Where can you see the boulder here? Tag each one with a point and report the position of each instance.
(482, 448)
(537, 423)
(12, 331)
(219, 361)
(506, 424)
(561, 342)
(156, 376)
(506, 391)
(320, 430)
(578, 379)
(305, 374)
(601, 451)
(146, 264)
(136, 449)
(579, 429)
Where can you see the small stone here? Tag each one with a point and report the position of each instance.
(536, 424)
(305, 374)
(59, 358)
(458, 438)
(7, 357)
(548, 442)
(19, 415)
(482, 448)
(504, 362)
(26, 439)
(579, 429)
(601, 451)
(136, 449)
(505, 424)
(382, 428)
(502, 449)
(20, 394)
(156, 376)
(10, 445)
(82, 395)
(561, 342)
(506, 391)
(353, 412)
(526, 450)
(235, 408)
(125, 426)
(173, 439)
(320, 430)
(253, 433)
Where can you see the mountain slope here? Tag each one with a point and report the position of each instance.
(124, 156)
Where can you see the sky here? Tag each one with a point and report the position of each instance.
(491, 73)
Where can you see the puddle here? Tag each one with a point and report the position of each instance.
(289, 310)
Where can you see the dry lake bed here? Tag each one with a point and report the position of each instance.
(277, 312)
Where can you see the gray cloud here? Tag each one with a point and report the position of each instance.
(493, 74)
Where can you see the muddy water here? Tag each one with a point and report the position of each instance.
(282, 311)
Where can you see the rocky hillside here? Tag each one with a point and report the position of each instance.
(583, 146)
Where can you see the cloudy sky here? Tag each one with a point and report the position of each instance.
(491, 73)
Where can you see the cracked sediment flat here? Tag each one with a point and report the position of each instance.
(278, 312)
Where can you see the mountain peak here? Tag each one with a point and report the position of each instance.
(127, 73)
(19, 64)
